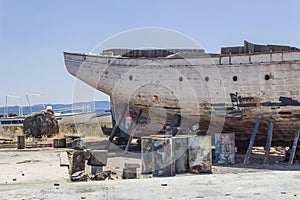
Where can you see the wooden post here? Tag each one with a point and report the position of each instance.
(249, 150)
(114, 131)
(133, 130)
(269, 141)
(294, 147)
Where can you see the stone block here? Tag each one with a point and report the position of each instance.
(98, 158)
(132, 165)
(129, 173)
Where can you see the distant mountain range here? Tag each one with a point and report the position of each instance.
(98, 106)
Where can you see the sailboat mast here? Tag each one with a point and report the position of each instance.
(27, 97)
(6, 106)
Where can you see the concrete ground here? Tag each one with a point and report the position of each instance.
(36, 174)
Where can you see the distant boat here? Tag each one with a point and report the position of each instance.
(75, 115)
(66, 116)
(12, 121)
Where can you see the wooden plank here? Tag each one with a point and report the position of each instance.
(73, 137)
(64, 159)
(269, 141)
(292, 155)
(7, 139)
(246, 160)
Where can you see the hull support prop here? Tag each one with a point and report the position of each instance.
(133, 130)
(249, 150)
(269, 141)
(115, 128)
(292, 155)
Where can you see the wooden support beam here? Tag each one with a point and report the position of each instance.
(269, 141)
(253, 135)
(133, 130)
(114, 131)
(295, 143)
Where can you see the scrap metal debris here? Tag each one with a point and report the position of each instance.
(41, 124)
(79, 176)
(103, 176)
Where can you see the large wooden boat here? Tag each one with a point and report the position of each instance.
(223, 92)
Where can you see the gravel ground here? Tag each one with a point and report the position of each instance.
(36, 174)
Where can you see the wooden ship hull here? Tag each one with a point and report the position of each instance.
(222, 92)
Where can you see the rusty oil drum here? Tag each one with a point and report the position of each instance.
(21, 142)
(59, 143)
(163, 163)
(199, 154)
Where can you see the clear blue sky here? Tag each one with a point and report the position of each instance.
(35, 33)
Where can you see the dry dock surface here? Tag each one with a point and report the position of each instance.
(36, 174)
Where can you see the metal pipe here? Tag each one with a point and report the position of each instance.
(6, 106)
(33, 94)
(20, 108)
(27, 97)
(6, 103)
